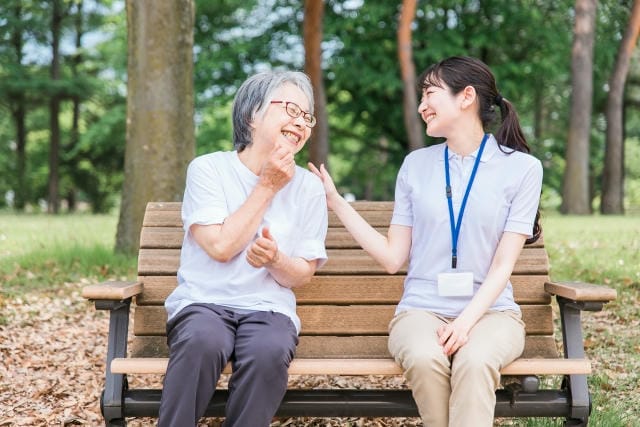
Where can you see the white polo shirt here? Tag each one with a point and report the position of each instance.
(504, 197)
(217, 185)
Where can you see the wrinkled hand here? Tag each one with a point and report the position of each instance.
(327, 181)
(278, 170)
(263, 251)
(452, 336)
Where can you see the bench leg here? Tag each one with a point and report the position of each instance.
(574, 348)
(115, 384)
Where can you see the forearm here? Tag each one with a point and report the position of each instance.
(291, 272)
(487, 294)
(496, 280)
(225, 241)
(387, 252)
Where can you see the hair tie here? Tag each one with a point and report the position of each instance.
(498, 100)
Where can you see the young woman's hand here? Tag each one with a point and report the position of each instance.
(452, 337)
(327, 181)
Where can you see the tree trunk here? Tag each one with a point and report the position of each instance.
(75, 119)
(53, 205)
(613, 173)
(19, 114)
(160, 129)
(313, 31)
(575, 189)
(415, 131)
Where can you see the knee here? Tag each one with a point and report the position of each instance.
(201, 341)
(274, 356)
(476, 369)
(425, 362)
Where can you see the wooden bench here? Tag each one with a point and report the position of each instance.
(345, 311)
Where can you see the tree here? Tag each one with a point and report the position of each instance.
(57, 14)
(17, 102)
(313, 16)
(575, 190)
(613, 174)
(160, 128)
(408, 72)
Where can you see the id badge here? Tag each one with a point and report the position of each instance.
(455, 284)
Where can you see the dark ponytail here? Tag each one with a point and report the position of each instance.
(459, 72)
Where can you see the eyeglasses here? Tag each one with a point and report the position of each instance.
(295, 111)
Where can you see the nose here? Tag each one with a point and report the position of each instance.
(422, 106)
(299, 122)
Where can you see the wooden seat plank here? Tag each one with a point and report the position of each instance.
(301, 366)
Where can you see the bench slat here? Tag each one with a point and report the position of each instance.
(383, 289)
(362, 347)
(364, 366)
(168, 214)
(343, 261)
(171, 238)
(342, 320)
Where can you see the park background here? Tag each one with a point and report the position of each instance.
(104, 102)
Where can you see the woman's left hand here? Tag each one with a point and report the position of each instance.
(264, 250)
(452, 336)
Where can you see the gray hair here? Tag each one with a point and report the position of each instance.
(255, 95)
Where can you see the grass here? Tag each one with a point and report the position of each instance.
(41, 253)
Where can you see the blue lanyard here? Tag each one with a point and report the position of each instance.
(455, 227)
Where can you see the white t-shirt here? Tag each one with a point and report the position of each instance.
(217, 185)
(504, 197)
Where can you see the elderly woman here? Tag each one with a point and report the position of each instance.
(255, 225)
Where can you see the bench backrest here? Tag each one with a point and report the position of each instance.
(346, 308)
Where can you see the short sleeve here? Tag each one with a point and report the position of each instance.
(203, 201)
(314, 224)
(402, 209)
(524, 205)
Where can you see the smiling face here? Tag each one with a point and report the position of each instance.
(276, 126)
(439, 109)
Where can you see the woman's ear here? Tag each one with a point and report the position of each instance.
(468, 96)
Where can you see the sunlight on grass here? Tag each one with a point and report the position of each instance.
(596, 249)
(42, 251)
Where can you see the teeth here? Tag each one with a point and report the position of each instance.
(291, 137)
(429, 118)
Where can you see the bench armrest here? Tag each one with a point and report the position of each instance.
(581, 292)
(116, 291)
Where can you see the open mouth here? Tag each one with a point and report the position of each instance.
(291, 137)
(429, 117)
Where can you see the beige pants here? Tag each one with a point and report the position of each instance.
(457, 391)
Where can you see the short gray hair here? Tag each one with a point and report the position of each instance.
(254, 97)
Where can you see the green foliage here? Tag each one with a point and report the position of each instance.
(527, 43)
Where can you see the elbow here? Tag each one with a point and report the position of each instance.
(219, 253)
(392, 266)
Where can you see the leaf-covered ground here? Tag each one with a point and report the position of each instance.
(52, 357)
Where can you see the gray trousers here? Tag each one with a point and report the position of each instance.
(202, 338)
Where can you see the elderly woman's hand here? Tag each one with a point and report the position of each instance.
(264, 250)
(278, 170)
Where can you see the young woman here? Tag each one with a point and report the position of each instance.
(463, 211)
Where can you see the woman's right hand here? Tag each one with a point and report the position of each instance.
(327, 181)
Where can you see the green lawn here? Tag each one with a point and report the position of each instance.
(41, 253)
